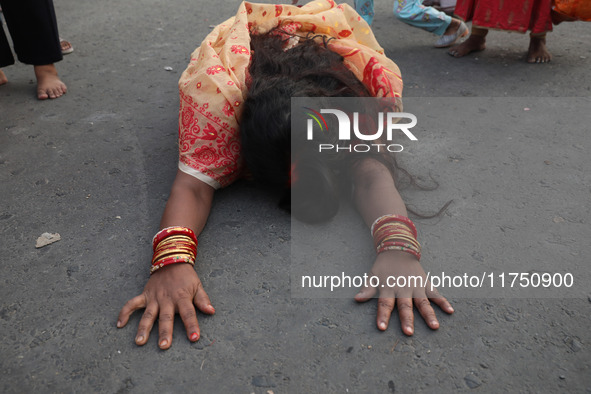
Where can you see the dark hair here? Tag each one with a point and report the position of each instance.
(308, 70)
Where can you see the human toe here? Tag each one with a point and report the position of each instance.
(42, 95)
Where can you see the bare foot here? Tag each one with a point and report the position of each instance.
(3, 78)
(49, 85)
(474, 43)
(537, 52)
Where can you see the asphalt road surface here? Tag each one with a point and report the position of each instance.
(507, 141)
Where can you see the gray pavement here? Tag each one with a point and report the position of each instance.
(96, 166)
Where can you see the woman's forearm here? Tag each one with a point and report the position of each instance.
(189, 203)
(375, 192)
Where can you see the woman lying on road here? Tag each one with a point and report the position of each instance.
(242, 77)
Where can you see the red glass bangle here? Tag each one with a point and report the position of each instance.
(169, 231)
(405, 245)
(177, 259)
(394, 218)
(400, 248)
(384, 236)
(395, 227)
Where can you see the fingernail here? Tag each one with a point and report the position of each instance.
(139, 338)
(212, 308)
(409, 329)
(163, 343)
(119, 323)
(382, 325)
(194, 336)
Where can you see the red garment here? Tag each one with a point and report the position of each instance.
(514, 15)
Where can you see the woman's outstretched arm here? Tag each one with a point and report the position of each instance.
(375, 196)
(175, 288)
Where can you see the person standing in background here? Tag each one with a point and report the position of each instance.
(518, 16)
(33, 28)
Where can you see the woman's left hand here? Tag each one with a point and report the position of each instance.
(399, 268)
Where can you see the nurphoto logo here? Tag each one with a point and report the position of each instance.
(387, 123)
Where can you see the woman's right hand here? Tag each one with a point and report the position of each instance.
(416, 291)
(172, 289)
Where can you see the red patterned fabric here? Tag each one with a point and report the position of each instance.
(214, 85)
(513, 15)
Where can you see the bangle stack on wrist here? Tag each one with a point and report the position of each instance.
(395, 232)
(173, 245)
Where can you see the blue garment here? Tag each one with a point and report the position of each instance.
(412, 12)
(416, 14)
(365, 9)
